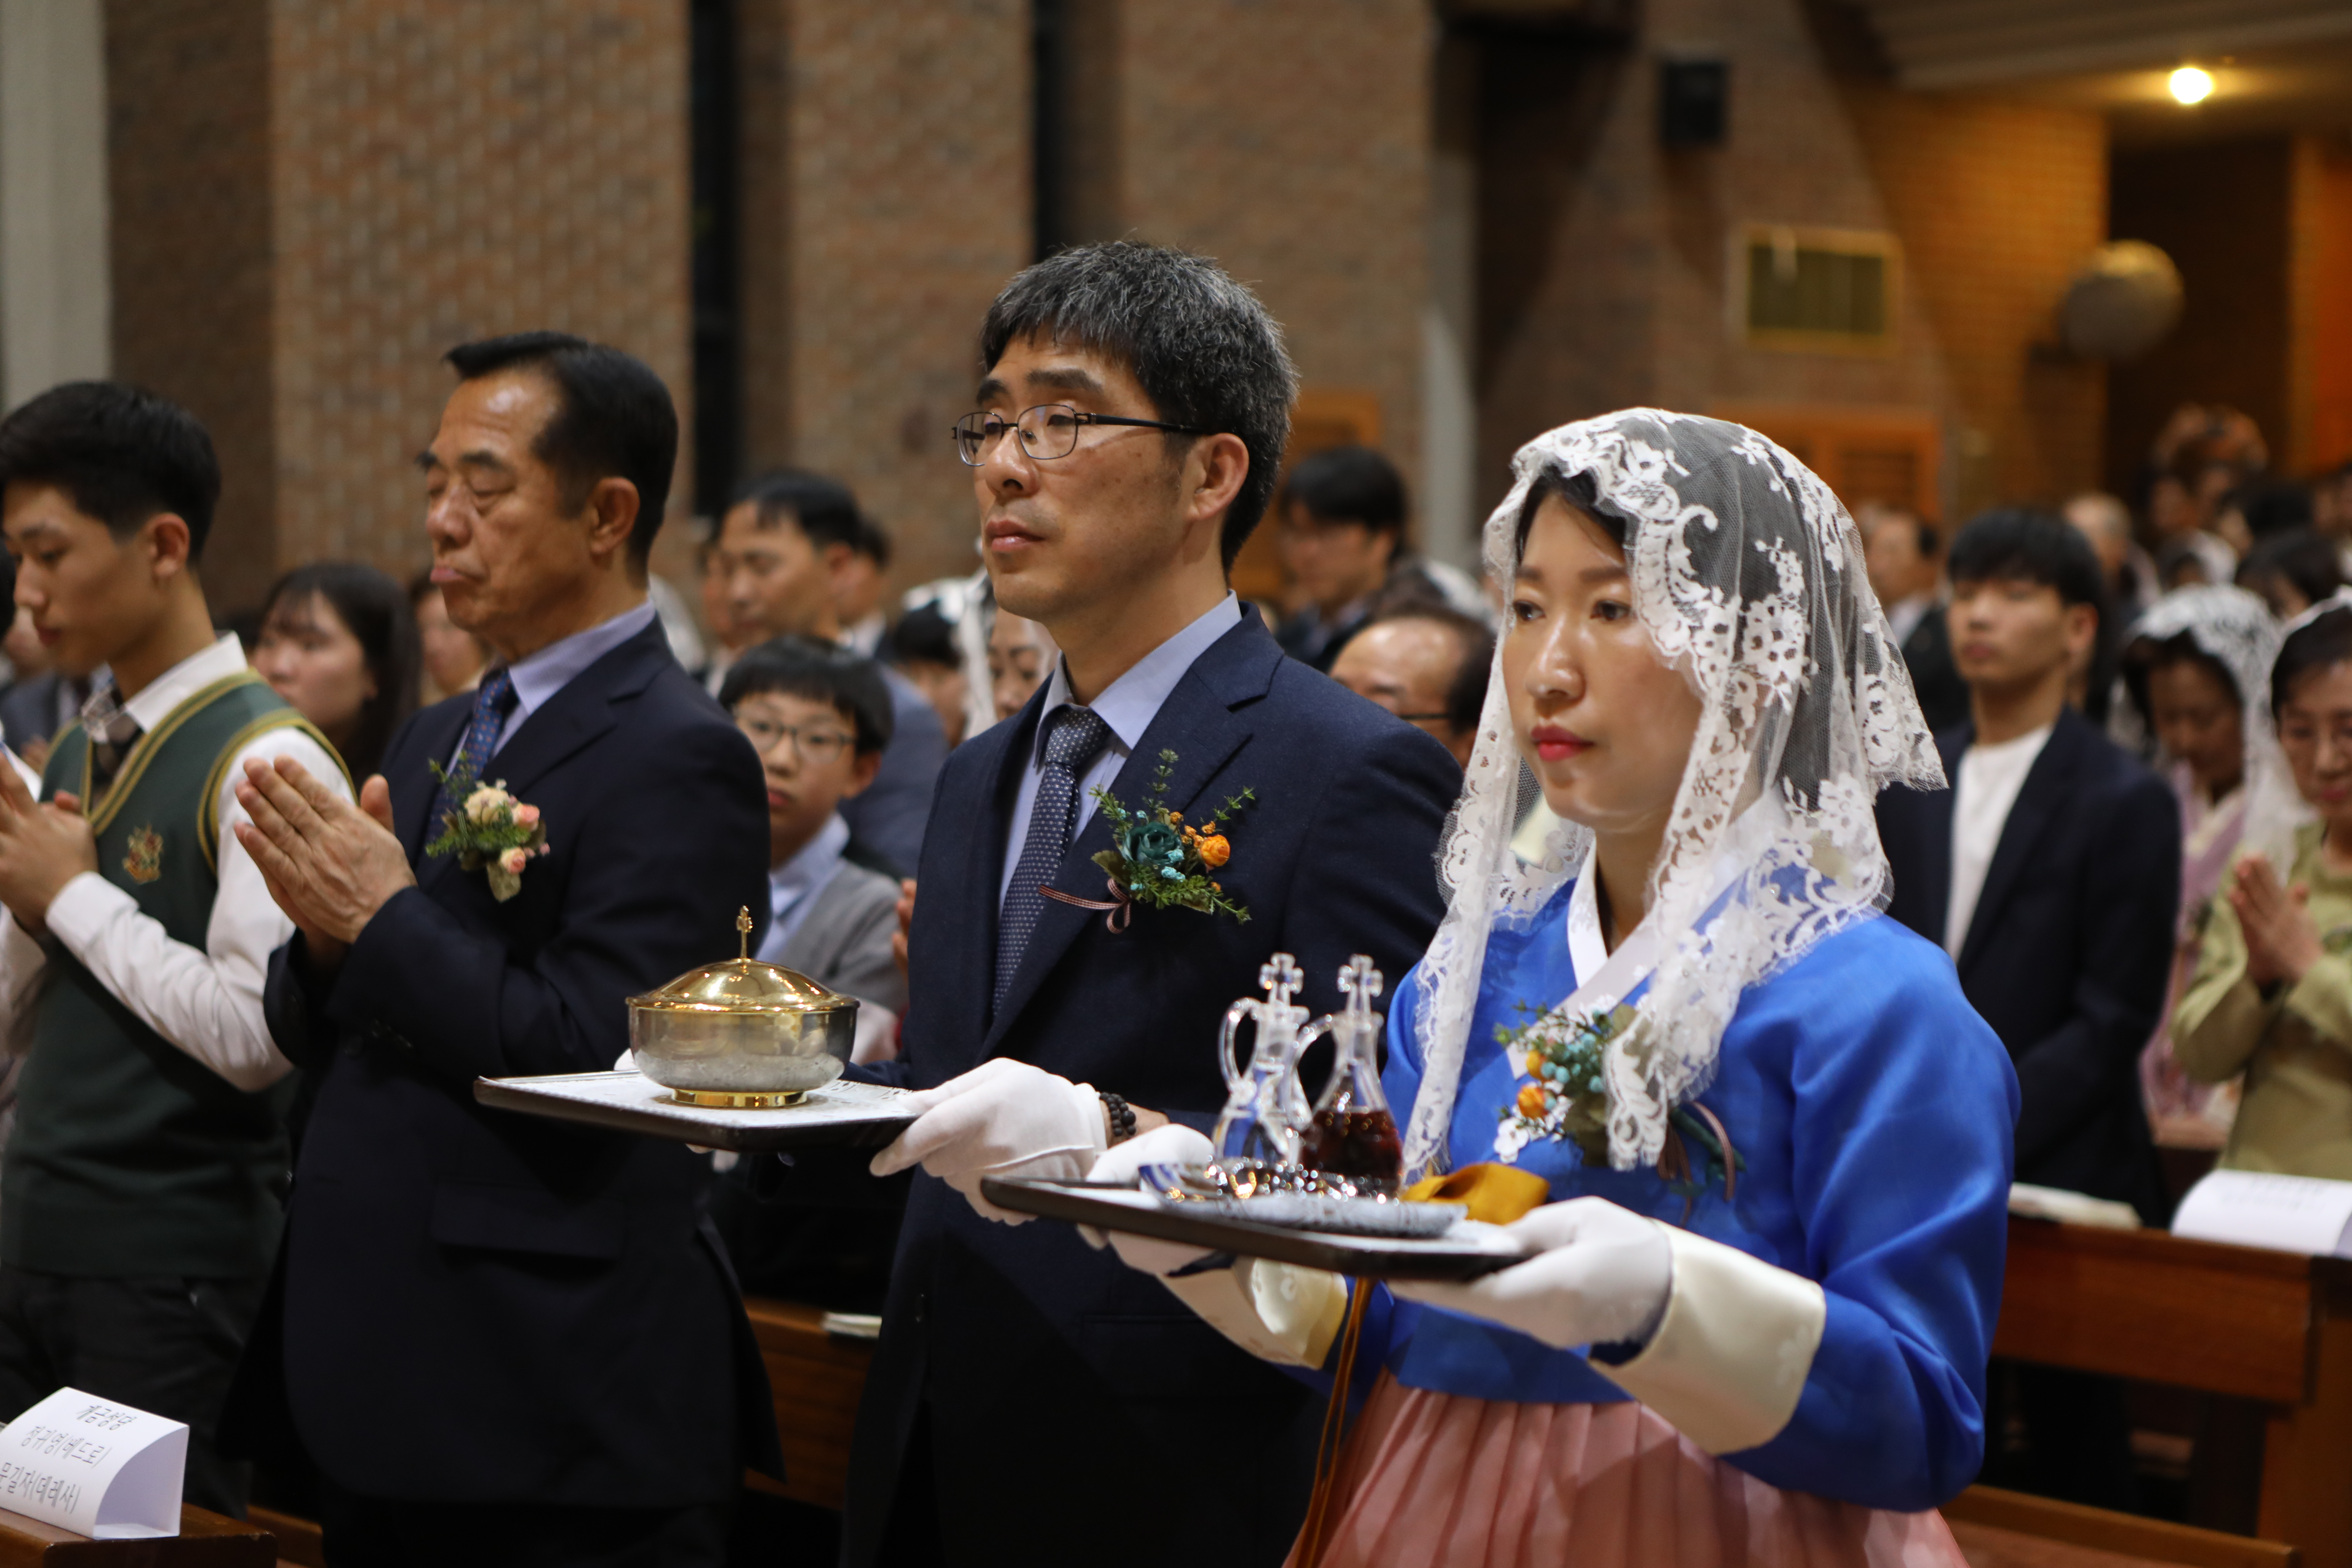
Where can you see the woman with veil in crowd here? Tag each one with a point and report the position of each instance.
(2197, 673)
(1768, 1137)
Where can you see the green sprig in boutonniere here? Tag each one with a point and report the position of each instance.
(1160, 860)
(488, 830)
(1565, 1099)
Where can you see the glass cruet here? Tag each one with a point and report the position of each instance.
(1353, 1133)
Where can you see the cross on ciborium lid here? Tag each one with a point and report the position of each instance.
(1281, 977)
(1359, 981)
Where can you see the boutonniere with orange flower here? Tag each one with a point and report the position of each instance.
(1162, 861)
(488, 830)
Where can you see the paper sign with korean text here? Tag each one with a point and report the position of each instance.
(94, 1466)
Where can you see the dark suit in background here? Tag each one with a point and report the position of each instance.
(1928, 655)
(2070, 949)
(522, 1322)
(2067, 957)
(1056, 1405)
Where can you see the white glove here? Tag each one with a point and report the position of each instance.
(1001, 1118)
(1600, 1276)
(1174, 1144)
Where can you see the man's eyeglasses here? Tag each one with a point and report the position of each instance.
(1048, 431)
(814, 746)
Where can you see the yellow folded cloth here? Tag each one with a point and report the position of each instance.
(1497, 1195)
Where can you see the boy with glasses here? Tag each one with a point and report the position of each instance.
(820, 716)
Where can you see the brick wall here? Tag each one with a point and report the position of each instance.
(1604, 277)
(316, 198)
(445, 171)
(885, 181)
(1295, 151)
(188, 160)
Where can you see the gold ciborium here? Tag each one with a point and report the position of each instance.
(741, 1033)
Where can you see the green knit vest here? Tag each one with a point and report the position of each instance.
(130, 1156)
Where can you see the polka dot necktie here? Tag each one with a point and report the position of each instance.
(1077, 734)
(493, 700)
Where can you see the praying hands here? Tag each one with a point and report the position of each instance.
(329, 865)
(2281, 939)
(42, 848)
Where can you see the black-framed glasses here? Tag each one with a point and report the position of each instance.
(1048, 431)
(813, 744)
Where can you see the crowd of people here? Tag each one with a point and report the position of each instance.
(281, 885)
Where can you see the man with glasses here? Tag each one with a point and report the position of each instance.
(1134, 402)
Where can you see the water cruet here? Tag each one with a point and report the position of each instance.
(1265, 1107)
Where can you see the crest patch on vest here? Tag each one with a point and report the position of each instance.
(145, 860)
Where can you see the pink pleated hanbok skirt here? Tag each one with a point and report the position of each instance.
(1437, 1480)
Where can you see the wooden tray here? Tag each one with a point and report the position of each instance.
(1466, 1252)
(842, 1115)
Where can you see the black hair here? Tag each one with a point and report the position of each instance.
(2144, 656)
(821, 508)
(1578, 490)
(2307, 560)
(2273, 507)
(1200, 344)
(378, 613)
(1349, 484)
(2321, 643)
(873, 541)
(613, 418)
(816, 671)
(2017, 544)
(923, 636)
(120, 452)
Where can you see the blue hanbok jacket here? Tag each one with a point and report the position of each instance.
(1874, 1110)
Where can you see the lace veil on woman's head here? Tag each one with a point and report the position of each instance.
(1748, 574)
(2236, 631)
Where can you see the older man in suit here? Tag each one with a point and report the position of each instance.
(1032, 1398)
(503, 1340)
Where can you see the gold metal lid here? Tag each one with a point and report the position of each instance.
(742, 984)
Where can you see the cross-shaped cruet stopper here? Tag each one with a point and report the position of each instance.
(1281, 977)
(744, 929)
(1359, 981)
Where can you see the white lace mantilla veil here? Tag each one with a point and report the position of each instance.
(2236, 629)
(1748, 574)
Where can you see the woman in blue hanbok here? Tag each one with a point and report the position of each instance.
(1774, 1136)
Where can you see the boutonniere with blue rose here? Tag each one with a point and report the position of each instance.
(1160, 860)
(488, 830)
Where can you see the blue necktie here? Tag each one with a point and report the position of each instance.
(493, 700)
(1076, 734)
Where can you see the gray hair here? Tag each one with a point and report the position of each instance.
(1201, 345)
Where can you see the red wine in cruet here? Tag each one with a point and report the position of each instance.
(1360, 1144)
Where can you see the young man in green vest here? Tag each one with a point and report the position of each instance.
(140, 1194)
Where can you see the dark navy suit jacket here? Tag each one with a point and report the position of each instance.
(474, 1305)
(2070, 950)
(1073, 1406)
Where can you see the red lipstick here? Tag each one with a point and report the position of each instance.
(1554, 744)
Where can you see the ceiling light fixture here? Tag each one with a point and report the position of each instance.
(2191, 84)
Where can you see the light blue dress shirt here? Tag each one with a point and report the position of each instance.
(793, 886)
(1128, 706)
(539, 677)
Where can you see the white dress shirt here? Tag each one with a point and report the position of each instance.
(1128, 706)
(1904, 616)
(538, 679)
(793, 886)
(206, 1001)
(1984, 789)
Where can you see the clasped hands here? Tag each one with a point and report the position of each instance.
(329, 864)
(2281, 939)
(43, 845)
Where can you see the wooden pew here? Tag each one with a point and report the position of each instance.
(2258, 1325)
(205, 1541)
(815, 1378)
(1999, 1528)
